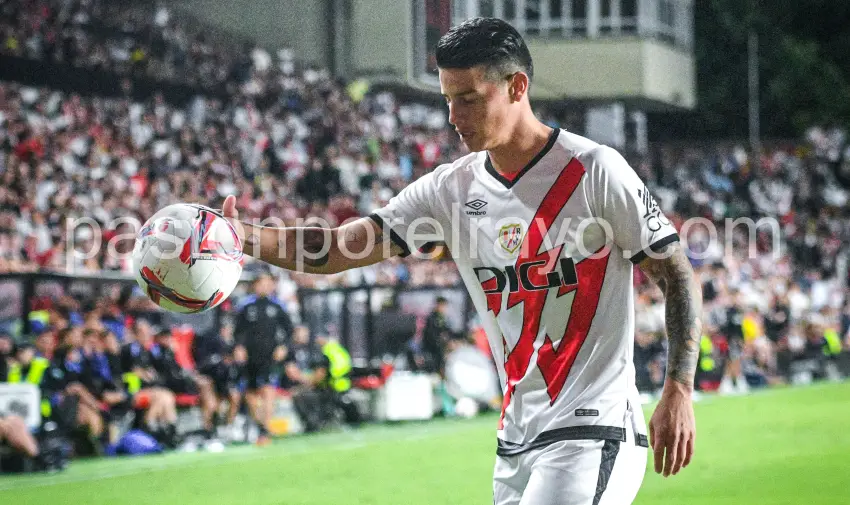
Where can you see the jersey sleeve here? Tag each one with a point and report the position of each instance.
(622, 200)
(409, 216)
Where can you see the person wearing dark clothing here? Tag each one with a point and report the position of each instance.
(649, 352)
(777, 319)
(428, 354)
(262, 329)
(318, 378)
(73, 403)
(100, 378)
(146, 387)
(213, 355)
(180, 381)
(319, 183)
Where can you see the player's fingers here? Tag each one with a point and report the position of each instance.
(682, 453)
(658, 459)
(658, 452)
(672, 455)
(689, 451)
(652, 434)
(228, 209)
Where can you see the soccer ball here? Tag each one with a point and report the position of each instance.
(187, 258)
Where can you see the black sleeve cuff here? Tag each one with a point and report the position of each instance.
(397, 240)
(641, 255)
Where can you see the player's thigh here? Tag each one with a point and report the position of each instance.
(510, 477)
(586, 472)
(626, 475)
(565, 473)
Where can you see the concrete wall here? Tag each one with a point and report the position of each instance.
(608, 69)
(301, 25)
(669, 74)
(381, 34)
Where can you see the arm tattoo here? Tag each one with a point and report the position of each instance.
(253, 240)
(683, 311)
(353, 235)
(253, 243)
(314, 243)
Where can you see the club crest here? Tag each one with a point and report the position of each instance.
(510, 237)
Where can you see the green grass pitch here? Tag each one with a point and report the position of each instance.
(779, 447)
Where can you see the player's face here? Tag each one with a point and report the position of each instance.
(479, 108)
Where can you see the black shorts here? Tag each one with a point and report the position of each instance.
(224, 378)
(182, 385)
(65, 414)
(258, 375)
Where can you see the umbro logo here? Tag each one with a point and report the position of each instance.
(476, 207)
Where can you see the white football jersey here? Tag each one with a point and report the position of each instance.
(548, 261)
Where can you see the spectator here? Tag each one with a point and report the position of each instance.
(75, 405)
(213, 357)
(428, 351)
(183, 382)
(103, 383)
(262, 329)
(147, 387)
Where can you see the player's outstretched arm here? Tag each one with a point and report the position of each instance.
(673, 427)
(313, 250)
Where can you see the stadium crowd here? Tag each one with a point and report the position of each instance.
(294, 143)
(128, 38)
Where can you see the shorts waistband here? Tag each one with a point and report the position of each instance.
(613, 433)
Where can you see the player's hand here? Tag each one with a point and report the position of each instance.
(229, 211)
(280, 353)
(672, 429)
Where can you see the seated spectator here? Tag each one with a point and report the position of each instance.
(103, 382)
(213, 355)
(331, 378)
(181, 381)
(146, 387)
(319, 386)
(73, 404)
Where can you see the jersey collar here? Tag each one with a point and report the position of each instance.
(509, 183)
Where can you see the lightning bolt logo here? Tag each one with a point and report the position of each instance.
(554, 362)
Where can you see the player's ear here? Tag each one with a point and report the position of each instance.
(517, 85)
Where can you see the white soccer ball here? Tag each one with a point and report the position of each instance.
(187, 258)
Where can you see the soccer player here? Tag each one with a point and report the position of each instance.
(545, 227)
